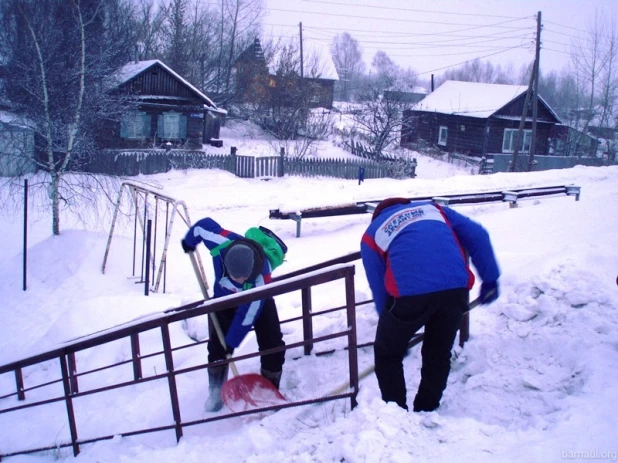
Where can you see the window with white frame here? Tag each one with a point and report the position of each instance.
(172, 126)
(135, 125)
(510, 136)
(442, 134)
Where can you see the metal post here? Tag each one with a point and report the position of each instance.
(135, 355)
(144, 231)
(134, 234)
(171, 377)
(305, 295)
(297, 218)
(25, 230)
(352, 339)
(69, 404)
(163, 260)
(72, 371)
(154, 237)
(19, 380)
(147, 263)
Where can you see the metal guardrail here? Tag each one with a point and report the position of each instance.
(368, 206)
(69, 377)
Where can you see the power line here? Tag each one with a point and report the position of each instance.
(347, 15)
(381, 7)
(557, 51)
(446, 43)
(394, 35)
(588, 39)
(408, 47)
(556, 43)
(460, 39)
(467, 61)
(566, 27)
(377, 31)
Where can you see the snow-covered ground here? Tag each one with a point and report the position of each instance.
(538, 380)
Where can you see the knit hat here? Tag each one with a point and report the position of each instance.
(388, 203)
(239, 260)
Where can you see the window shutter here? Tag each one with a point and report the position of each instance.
(160, 126)
(527, 140)
(146, 128)
(183, 126)
(123, 128)
(506, 142)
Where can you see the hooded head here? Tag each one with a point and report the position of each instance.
(239, 260)
(388, 202)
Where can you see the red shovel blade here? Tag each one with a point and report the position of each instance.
(247, 392)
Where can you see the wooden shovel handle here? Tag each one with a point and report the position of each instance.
(213, 316)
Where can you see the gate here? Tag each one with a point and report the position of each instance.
(256, 167)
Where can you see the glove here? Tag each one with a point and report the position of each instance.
(185, 247)
(489, 292)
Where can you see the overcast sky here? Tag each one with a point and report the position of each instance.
(431, 35)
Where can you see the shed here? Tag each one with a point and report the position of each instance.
(16, 146)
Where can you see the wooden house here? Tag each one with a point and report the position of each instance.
(254, 78)
(568, 141)
(170, 112)
(477, 119)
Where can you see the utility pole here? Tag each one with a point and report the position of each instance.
(532, 87)
(300, 25)
(535, 101)
(522, 122)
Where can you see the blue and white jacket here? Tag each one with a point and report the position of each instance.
(217, 239)
(418, 248)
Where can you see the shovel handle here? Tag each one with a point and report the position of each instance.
(213, 316)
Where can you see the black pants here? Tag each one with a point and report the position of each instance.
(267, 332)
(440, 313)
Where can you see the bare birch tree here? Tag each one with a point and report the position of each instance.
(587, 60)
(594, 58)
(348, 58)
(57, 63)
(240, 24)
(148, 20)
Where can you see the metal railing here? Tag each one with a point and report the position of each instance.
(66, 389)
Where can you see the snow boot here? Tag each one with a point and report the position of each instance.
(273, 376)
(216, 377)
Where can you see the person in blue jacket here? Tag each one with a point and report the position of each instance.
(239, 264)
(414, 255)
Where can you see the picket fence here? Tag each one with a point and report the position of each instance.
(147, 162)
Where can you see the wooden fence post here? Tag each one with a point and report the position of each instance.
(281, 170)
(234, 160)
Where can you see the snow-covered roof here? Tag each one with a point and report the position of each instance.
(10, 118)
(471, 99)
(130, 70)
